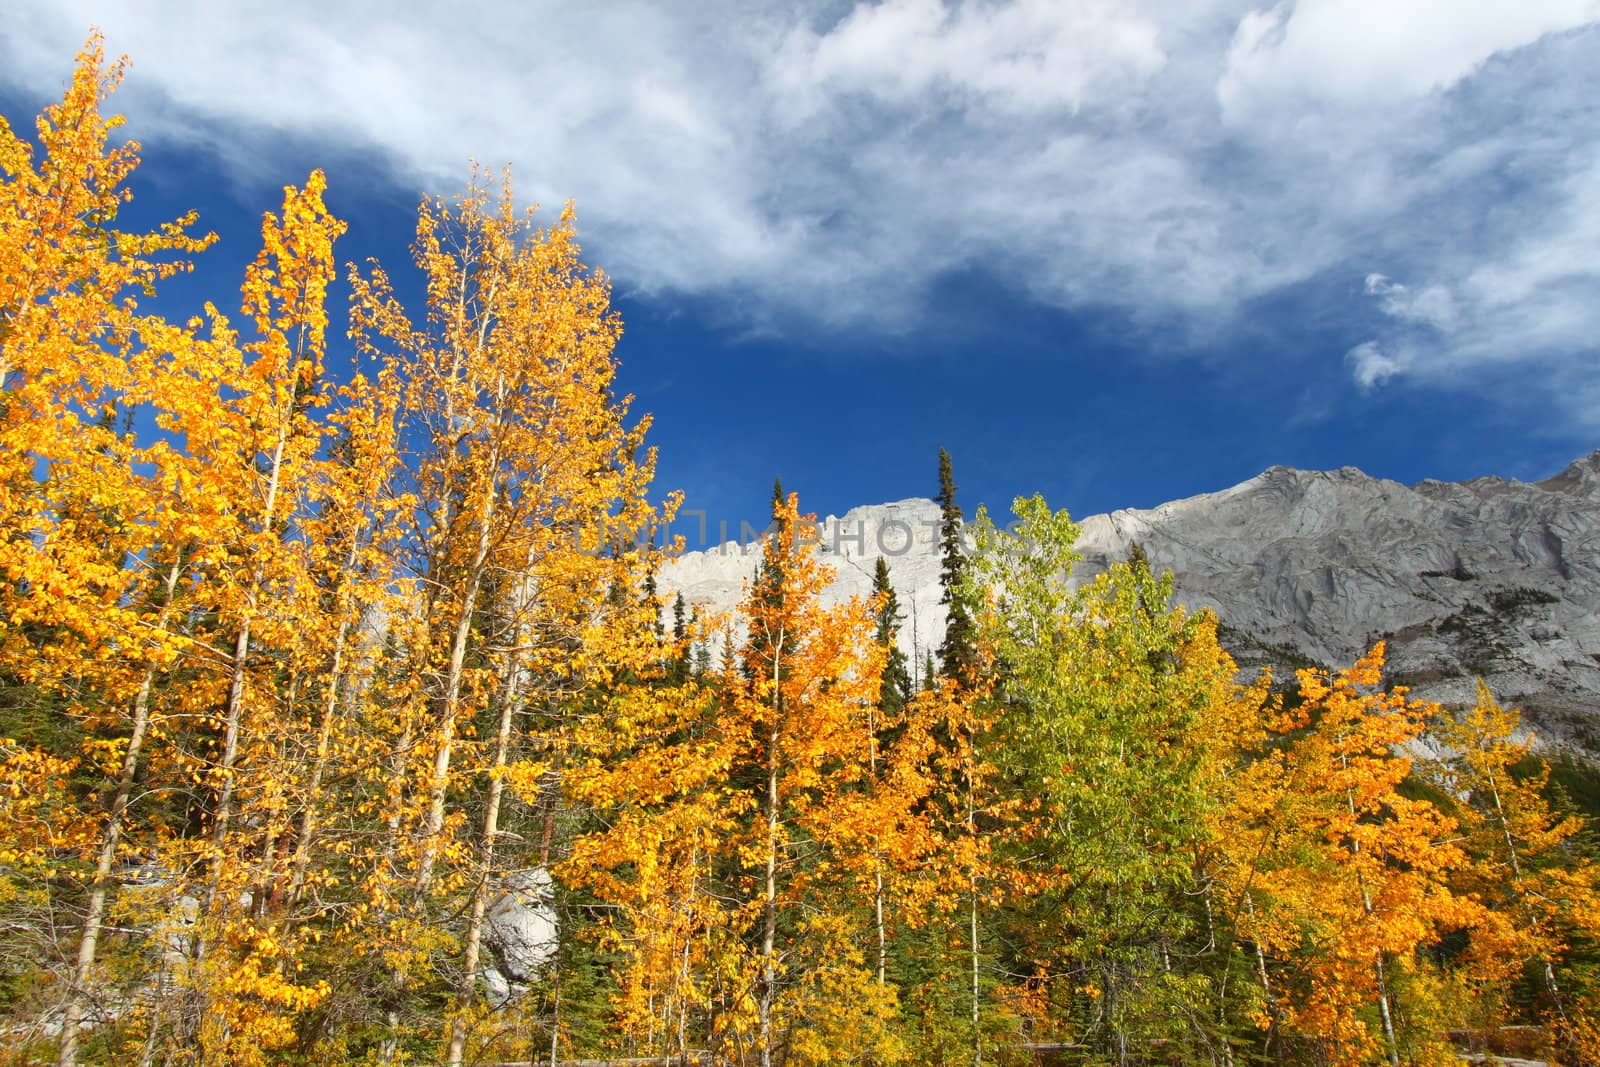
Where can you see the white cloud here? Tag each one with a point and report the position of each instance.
(1030, 56)
(1532, 300)
(829, 161)
(1433, 306)
(1372, 366)
(1371, 53)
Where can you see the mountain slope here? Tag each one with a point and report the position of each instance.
(1487, 577)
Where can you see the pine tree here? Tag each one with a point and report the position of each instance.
(956, 656)
(700, 661)
(652, 602)
(679, 665)
(897, 687)
(767, 587)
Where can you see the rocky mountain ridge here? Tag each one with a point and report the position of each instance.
(1489, 577)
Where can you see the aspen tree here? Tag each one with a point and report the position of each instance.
(261, 458)
(93, 542)
(353, 535)
(527, 471)
(1349, 877)
(655, 763)
(1230, 736)
(285, 293)
(1541, 891)
(811, 672)
(753, 810)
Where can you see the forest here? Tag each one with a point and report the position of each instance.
(317, 643)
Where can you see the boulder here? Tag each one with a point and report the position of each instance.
(521, 933)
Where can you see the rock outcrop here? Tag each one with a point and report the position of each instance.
(521, 934)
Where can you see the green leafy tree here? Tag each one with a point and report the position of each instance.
(1099, 693)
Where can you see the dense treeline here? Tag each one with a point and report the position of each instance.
(305, 671)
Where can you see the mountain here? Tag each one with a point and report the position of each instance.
(1489, 577)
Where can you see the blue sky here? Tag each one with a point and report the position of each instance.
(1115, 251)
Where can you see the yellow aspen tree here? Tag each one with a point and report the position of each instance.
(1542, 894)
(564, 626)
(951, 894)
(285, 292)
(463, 375)
(654, 762)
(93, 543)
(527, 471)
(738, 828)
(267, 446)
(353, 536)
(1230, 741)
(1356, 880)
(310, 754)
(884, 829)
(811, 673)
(42, 823)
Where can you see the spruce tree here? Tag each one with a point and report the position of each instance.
(678, 671)
(956, 657)
(652, 601)
(767, 586)
(896, 675)
(700, 661)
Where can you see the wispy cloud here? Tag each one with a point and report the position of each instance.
(828, 163)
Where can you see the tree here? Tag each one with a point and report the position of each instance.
(897, 688)
(217, 632)
(680, 665)
(813, 674)
(654, 766)
(1526, 865)
(529, 472)
(956, 657)
(95, 540)
(1100, 694)
(1342, 879)
(745, 821)
(269, 442)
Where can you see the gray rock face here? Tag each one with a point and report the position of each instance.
(1487, 577)
(1491, 578)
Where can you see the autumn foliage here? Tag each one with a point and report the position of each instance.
(319, 646)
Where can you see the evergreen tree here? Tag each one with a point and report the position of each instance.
(766, 588)
(897, 687)
(678, 670)
(652, 601)
(956, 656)
(700, 661)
